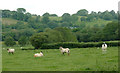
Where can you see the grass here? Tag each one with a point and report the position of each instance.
(80, 59)
(9, 21)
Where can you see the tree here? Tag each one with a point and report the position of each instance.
(9, 41)
(52, 24)
(53, 35)
(83, 19)
(67, 35)
(82, 12)
(54, 15)
(27, 16)
(37, 18)
(74, 18)
(46, 14)
(38, 39)
(45, 19)
(109, 31)
(6, 13)
(22, 41)
(21, 10)
(66, 17)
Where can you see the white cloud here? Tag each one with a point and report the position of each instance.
(59, 6)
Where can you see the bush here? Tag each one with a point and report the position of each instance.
(77, 45)
(9, 41)
(38, 39)
(22, 41)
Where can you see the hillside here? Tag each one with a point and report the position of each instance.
(85, 26)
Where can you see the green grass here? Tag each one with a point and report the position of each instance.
(80, 59)
(9, 21)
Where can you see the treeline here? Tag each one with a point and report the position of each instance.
(63, 34)
(22, 15)
(67, 28)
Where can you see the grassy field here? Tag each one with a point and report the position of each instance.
(80, 59)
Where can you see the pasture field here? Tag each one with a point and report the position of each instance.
(80, 59)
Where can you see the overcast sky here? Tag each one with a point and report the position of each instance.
(59, 7)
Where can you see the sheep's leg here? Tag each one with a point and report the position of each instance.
(68, 54)
(63, 53)
(12, 53)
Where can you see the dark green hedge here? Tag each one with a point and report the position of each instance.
(77, 45)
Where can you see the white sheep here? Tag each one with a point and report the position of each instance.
(104, 48)
(11, 51)
(64, 50)
(38, 54)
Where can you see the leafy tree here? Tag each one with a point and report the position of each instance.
(52, 24)
(22, 41)
(27, 16)
(21, 10)
(90, 18)
(38, 39)
(109, 31)
(46, 14)
(37, 18)
(45, 19)
(9, 41)
(14, 14)
(55, 15)
(83, 19)
(66, 17)
(53, 35)
(6, 13)
(66, 24)
(66, 34)
(74, 18)
(82, 12)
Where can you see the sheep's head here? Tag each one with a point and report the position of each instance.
(60, 47)
(41, 52)
(7, 49)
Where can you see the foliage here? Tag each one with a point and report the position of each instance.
(82, 12)
(81, 25)
(38, 39)
(22, 41)
(77, 45)
(9, 41)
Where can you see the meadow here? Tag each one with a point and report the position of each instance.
(80, 59)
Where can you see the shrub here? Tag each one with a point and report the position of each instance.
(9, 41)
(77, 45)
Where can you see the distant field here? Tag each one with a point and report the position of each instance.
(9, 21)
(80, 59)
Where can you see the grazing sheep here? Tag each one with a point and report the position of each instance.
(104, 48)
(64, 50)
(38, 54)
(11, 51)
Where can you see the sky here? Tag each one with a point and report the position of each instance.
(59, 7)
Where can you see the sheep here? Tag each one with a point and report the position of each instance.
(38, 54)
(11, 51)
(104, 48)
(64, 50)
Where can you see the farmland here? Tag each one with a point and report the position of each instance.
(80, 59)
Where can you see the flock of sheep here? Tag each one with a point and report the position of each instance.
(62, 50)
